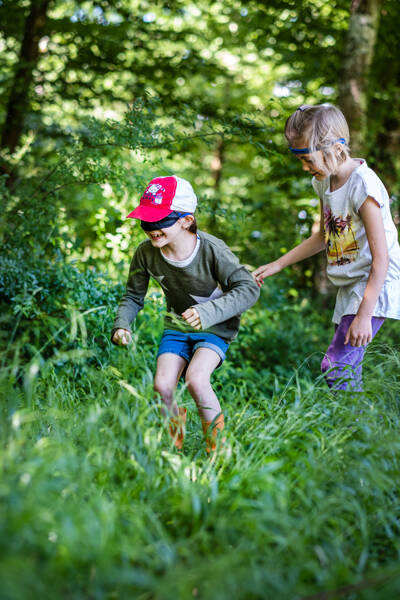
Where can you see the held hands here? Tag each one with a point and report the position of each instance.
(122, 337)
(359, 332)
(266, 271)
(191, 316)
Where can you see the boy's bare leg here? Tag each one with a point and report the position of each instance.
(169, 370)
(198, 374)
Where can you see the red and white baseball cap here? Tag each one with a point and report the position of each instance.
(162, 196)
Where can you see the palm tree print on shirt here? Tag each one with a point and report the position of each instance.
(341, 244)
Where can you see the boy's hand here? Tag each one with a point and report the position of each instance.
(191, 316)
(122, 337)
(266, 271)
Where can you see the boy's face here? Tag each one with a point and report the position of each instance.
(161, 237)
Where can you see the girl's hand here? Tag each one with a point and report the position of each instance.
(359, 332)
(191, 316)
(122, 337)
(266, 271)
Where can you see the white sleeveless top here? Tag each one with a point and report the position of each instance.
(348, 253)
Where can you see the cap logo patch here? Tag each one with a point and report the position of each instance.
(154, 193)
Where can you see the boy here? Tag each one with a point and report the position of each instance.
(206, 291)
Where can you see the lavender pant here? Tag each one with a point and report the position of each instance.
(344, 362)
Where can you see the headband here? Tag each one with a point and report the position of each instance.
(168, 221)
(308, 150)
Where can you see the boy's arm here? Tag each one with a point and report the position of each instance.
(133, 299)
(240, 290)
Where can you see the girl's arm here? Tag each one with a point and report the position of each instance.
(312, 245)
(360, 331)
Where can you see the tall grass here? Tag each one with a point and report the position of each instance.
(95, 502)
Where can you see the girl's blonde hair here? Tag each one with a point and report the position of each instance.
(318, 128)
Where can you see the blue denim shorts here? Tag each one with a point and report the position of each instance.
(185, 344)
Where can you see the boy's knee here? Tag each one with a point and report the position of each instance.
(197, 382)
(164, 388)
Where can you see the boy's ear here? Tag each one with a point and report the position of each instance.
(188, 220)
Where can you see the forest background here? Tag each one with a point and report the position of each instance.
(96, 98)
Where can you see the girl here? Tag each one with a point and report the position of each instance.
(206, 291)
(358, 233)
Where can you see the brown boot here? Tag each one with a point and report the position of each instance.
(211, 430)
(177, 428)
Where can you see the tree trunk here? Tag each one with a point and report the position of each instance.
(358, 55)
(28, 58)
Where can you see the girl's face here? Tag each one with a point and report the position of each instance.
(314, 164)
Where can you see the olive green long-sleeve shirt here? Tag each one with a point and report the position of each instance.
(214, 283)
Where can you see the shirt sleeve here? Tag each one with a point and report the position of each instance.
(367, 186)
(136, 289)
(240, 290)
